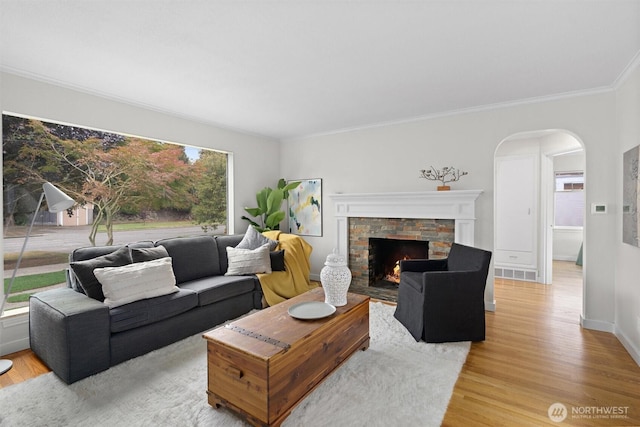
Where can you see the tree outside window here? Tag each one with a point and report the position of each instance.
(116, 179)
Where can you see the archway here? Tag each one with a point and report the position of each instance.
(526, 167)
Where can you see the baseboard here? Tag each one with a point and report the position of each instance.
(597, 325)
(565, 258)
(490, 306)
(14, 333)
(634, 352)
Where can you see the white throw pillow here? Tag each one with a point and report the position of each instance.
(133, 282)
(248, 261)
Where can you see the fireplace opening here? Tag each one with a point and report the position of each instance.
(385, 256)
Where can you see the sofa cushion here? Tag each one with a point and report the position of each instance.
(193, 257)
(133, 282)
(253, 240)
(84, 270)
(222, 242)
(151, 310)
(89, 252)
(248, 261)
(148, 254)
(219, 288)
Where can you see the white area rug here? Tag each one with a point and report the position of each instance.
(395, 382)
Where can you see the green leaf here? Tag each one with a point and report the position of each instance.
(291, 185)
(261, 197)
(273, 220)
(252, 222)
(274, 201)
(253, 211)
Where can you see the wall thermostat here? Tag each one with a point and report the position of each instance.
(598, 208)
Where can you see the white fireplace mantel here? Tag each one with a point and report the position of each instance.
(458, 205)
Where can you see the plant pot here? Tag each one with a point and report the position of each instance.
(443, 188)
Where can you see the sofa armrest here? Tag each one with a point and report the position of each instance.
(70, 332)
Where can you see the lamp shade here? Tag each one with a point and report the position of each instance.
(56, 199)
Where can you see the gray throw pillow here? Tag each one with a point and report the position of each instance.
(84, 270)
(148, 254)
(253, 239)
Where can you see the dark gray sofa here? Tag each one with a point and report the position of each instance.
(77, 336)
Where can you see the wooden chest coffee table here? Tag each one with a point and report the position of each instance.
(263, 365)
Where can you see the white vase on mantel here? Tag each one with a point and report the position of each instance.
(335, 277)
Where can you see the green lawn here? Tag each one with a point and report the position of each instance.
(31, 282)
(128, 226)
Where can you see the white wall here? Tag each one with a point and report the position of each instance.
(627, 260)
(256, 161)
(388, 158)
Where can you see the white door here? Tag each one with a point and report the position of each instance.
(516, 211)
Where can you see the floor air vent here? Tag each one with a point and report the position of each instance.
(515, 274)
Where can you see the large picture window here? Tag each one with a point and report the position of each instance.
(125, 188)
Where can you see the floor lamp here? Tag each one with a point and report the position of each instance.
(57, 201)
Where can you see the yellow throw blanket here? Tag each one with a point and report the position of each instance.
(279, 286)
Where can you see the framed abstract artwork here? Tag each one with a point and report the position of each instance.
(630, 195)
(305, 208)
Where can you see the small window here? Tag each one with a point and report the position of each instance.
(569, 199)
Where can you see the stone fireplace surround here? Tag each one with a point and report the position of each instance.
(458, 205)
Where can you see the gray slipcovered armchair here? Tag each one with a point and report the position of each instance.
(442, 300)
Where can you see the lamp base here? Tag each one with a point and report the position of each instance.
(5, 365)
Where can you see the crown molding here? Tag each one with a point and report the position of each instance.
(626, 73)
(462, 111)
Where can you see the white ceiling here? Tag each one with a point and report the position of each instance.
(288, 69)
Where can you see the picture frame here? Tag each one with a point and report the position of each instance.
(630, 196)
(305, 208)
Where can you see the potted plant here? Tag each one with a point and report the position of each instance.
(268, 213)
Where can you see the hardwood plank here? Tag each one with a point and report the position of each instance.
(26, 365)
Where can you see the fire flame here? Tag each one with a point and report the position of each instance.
(395, 275)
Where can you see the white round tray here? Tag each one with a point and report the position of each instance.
(311, 310)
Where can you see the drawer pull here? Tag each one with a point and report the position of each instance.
(234, 372)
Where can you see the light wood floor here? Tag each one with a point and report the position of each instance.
(535, 354)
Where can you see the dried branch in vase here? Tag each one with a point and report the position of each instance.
(444, 175)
